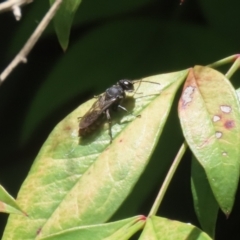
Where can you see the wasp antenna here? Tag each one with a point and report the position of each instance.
(140, 81)
(152, 82)
(136, 81)
(145, 81)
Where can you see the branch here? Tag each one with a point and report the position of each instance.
(10, 4)
(21, 56)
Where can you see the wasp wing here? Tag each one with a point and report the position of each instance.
(94, 113)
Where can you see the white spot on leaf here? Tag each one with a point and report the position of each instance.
(186, 96)
(216, 118)
(225, 109)
(218, 134)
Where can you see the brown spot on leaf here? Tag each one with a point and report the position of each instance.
(67, 128)
(25, 214)
(229, 124)
(39, 230)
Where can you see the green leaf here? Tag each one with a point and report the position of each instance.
(120, 230)
(63, 20)
(8, 203)
(164, 229)
(238, 93)
(76, 182)
(205, 204)
(210, 118)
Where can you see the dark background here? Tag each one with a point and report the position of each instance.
(111, 40)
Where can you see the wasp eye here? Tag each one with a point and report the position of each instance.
(126, 83)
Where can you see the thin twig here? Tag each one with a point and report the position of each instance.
(8, 5)
(168, 179)
(21, 56)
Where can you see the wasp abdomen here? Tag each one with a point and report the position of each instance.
(84, 131)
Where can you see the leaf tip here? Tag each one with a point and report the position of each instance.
(227, 214)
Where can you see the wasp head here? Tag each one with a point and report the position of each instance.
(126, 85)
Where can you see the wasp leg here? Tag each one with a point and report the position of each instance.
(109, 124)
(123, 108)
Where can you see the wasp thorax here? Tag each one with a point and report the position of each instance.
(114, 92)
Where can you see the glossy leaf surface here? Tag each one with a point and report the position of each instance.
(76, 182)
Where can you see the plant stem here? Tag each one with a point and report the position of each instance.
(8, 5)
(167, 180)
(224, 61)
(233, 68)
(21, 56)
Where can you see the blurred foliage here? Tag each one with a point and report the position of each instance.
(109, 41)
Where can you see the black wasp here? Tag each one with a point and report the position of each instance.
(109, 100)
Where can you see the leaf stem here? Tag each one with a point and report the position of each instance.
(168, 179)
(233, 68)
(223, 61)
